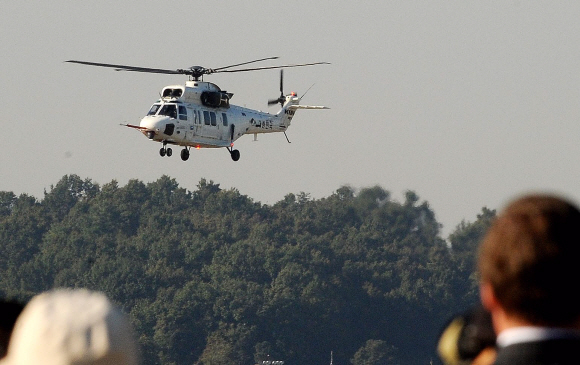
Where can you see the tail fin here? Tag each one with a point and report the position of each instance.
(290, 107)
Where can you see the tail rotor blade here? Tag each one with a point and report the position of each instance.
(282, 82)
(282, 98)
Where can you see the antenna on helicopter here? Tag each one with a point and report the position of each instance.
(307, 90)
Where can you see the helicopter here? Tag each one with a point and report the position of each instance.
(199, 114)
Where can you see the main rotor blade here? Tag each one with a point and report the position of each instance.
(195, 71)
(130, 68)
(272, 67)
(245, 63)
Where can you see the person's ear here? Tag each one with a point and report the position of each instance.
(487, 296)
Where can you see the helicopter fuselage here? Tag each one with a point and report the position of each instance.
(199, 115)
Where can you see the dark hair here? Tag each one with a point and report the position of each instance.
(530, 256)
(9, 310)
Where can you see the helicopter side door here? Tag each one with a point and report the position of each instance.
(211, 127)
(183, 122)
(194, 123)
(225, 130)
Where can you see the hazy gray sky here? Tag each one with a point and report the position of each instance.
(468, 103)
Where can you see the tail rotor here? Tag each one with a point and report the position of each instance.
(282, 98)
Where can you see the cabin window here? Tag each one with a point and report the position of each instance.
(206, 120)
(182, 112)
(213, 119)
(225, 119)
(170, 110)
(154, 109)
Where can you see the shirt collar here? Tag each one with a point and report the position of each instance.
(530, 334)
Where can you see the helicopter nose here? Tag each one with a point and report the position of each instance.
(154, 125)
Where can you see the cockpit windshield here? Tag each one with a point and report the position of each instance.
(154, 109)
(169, 110)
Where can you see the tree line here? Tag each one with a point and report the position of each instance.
(212, 277)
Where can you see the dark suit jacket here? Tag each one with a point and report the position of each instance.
(549, 352)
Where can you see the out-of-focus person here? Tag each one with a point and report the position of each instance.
(71, 326)
(529, 264)
(468, 338)
(9, 312)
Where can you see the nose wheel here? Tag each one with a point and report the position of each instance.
(165, 151)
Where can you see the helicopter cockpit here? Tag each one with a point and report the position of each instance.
(170, 110)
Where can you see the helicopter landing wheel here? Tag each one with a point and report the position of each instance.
(162, 152)
(169, 152)
(184, 154)
(235, 155)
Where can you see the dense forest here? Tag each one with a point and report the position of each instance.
(211, 277)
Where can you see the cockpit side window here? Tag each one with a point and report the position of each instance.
(182, 112)
(170, 110)
(154, 109)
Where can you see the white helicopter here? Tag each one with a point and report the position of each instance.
(199, 115)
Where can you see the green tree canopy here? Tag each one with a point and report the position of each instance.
(211, 277)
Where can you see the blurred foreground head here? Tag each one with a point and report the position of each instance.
(469, 338)
(529, 261)
(63, 327)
